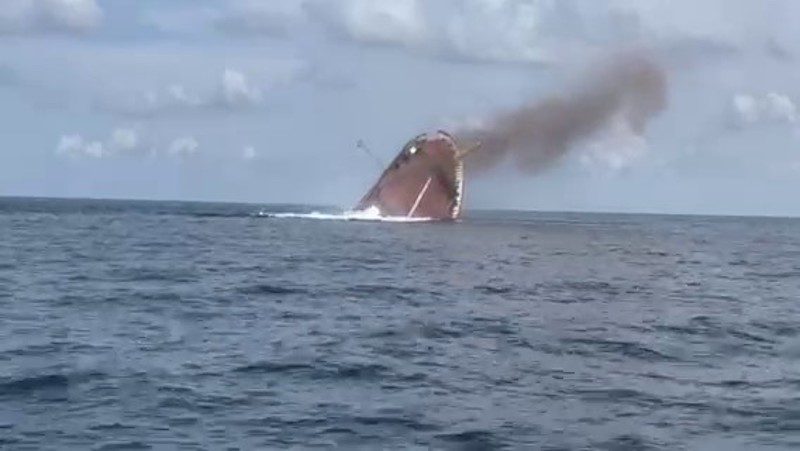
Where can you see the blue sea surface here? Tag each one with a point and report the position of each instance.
(167, 325)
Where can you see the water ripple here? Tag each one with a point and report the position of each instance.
(140, 325)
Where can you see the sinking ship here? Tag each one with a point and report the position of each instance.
(424, 180)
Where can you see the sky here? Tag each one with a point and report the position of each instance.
(265, 100)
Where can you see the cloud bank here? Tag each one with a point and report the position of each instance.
(234, 92)
(48, 16)
(121, 141)
(771, 108)
(521, 31)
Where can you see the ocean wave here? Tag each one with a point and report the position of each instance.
(267, 289)
(24, 385)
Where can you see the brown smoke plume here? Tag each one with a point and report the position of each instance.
(537, 135)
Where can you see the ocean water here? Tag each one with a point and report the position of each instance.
(142, 325)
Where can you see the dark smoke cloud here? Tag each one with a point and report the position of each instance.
(537, 135)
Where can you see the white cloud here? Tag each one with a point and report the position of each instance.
(488, 30)
(177, 95)
(174, 97)
(503, 30)
(746, 107)
(124, 139)
(480, 30)
(234, 91)
(543, 30)
(669, 19)
(384, 21)
(29, 16)
(121, 140)
(249, 153)
(509, 31)
(76, 146)
(772, 108)
(183, 146)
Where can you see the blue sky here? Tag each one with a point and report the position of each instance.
(264, 100)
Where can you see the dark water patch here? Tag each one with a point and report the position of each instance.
(269, 289)
(357, 371)
(706, 325)
(167, 296)
(286, 423)
(471, 440)
(183, 421)
(26, 385)
(402, 421)
(488, 289)
(213, 403)
(435, 331)
(691, 406)
(780, 275)
(298, 316)
(144, 274)
(619, 396)
(70, 299)
(31, 350)
(400, 292)
(410, 379)
(319, 370)
(590, 346)
(741, 334)
(627, 442)
(176, 402)
(275, 367)
(368, 261)
(133, 445)
(733, 384)
(678, 330)
(338, 430)
(490, 326)
(720, 297)
(711, 328)
(780, 328)
(7, 441)
(588, 285)
(113, 427)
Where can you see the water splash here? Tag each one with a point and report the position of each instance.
(370, 214)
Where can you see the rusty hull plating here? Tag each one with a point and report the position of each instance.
(425, 180)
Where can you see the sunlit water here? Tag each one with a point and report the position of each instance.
(127, 325)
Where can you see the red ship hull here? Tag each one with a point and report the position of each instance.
(425, 180)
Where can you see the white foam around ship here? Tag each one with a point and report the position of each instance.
(370, 214)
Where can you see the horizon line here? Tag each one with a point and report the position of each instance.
(485, 210)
